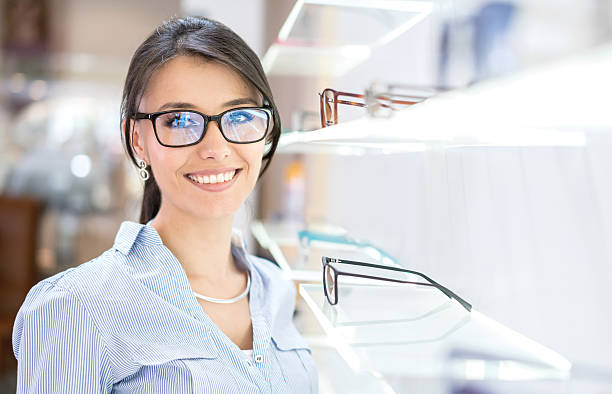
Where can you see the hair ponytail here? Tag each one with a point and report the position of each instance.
(151, 199)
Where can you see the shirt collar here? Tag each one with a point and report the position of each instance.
(131, 232)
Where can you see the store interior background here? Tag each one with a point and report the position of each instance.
(523, 233)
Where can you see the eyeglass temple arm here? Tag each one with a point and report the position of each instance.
(449, 293)
(443, 289)
(381, 97)
(393, 101)
(381, 104)
(433, 283)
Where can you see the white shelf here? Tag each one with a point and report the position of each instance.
(421, 334)
(330, 37)
(551, 105)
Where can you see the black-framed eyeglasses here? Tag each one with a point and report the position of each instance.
(332, 268)
(178, 128)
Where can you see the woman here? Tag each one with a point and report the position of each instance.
(177, 305)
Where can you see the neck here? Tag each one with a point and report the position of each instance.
(202, 246)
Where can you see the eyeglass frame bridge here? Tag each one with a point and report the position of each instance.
(207, 119)
(326, 260)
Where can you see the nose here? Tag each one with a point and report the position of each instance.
(214, 145)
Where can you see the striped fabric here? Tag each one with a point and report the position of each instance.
(128, 322)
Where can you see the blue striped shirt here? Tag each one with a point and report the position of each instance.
(128, 322)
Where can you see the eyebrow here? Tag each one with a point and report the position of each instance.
(185, 105)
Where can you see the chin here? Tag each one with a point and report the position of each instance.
(219, 213)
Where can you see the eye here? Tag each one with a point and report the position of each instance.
(179, 120)
(240, 116)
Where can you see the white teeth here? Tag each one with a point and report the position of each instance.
(217, 178)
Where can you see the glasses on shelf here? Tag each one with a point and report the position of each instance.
(178, 128)
(333, 268)
(330, 98)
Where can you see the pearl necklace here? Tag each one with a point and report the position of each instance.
(227, 300)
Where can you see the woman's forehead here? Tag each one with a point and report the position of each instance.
(204, 83)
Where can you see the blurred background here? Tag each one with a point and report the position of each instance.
(522, 230)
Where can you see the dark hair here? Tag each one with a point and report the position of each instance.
(191, 36)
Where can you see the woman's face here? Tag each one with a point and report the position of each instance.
(192, 83)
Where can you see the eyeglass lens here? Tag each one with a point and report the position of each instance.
(186, 127)
(328, 107)
(330, 285)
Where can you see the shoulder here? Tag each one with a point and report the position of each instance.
(57, 341)
(67, 297)
(51, 310)
(72, 287)
(44, 295)
(89, 276)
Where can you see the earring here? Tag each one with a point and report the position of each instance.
(143, 172)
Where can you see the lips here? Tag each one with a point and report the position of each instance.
(212, 171)
(216, 180)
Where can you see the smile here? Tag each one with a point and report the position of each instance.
(213, 178)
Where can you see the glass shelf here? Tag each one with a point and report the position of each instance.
(544, 117)
(303, 264)
(329, 37)
(422, 335)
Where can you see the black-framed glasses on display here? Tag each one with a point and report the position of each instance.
(332, 268)
(178, 128)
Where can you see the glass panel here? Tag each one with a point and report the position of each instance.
(352, 23)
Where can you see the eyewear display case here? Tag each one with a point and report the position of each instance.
(398, 338)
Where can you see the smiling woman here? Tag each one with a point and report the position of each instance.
(180, 143)
(177, 304)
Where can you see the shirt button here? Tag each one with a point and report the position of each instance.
(259, 358)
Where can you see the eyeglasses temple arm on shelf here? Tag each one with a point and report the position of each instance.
(443, 289)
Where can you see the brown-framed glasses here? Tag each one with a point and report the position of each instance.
(332, 268)
(330, 98)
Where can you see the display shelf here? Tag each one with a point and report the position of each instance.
(335, 375)
(548, 116)
(329, 37)
(301, 263)
(420, 334)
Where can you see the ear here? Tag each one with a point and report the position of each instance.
(136, 139)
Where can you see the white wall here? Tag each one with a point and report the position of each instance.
(525, 234)
(245, 17)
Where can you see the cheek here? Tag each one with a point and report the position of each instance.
(255, 160)
(165, 161)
